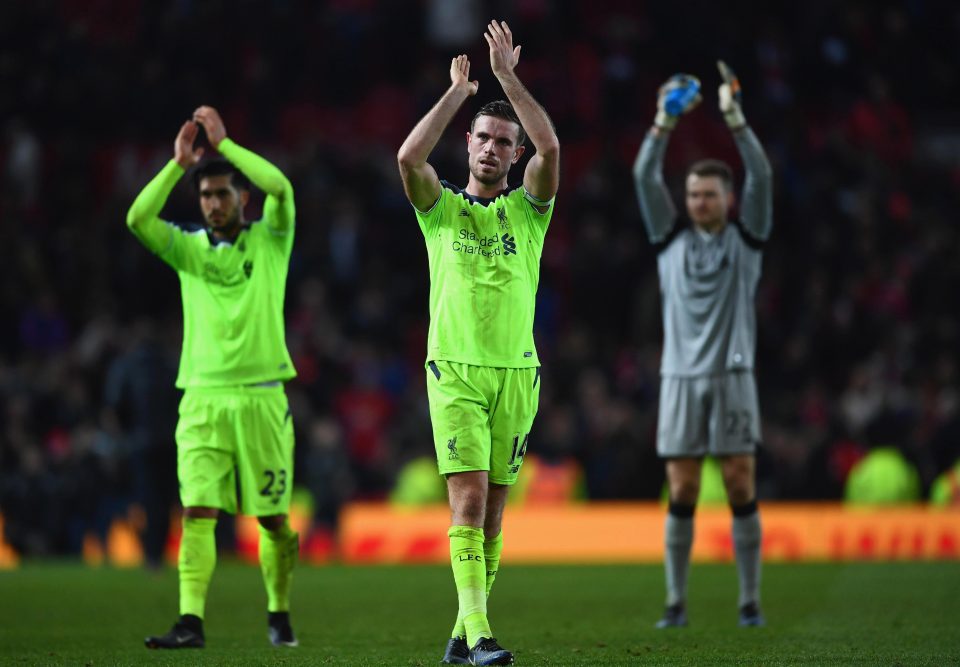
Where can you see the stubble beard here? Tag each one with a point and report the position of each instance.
(228, 226)
(488, 179)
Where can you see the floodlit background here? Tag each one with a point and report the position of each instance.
(855, 103)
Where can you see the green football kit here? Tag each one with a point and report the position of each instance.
(235, 427)
(234, 359)
(482, 370)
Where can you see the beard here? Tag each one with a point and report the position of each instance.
(488, 178)
(709, 222)
(227, 225)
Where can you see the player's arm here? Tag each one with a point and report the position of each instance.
(656, 206)
(542, 176)
(677, 96)
(420, 181)
(756, 208)
(278, 209)
(143, 218)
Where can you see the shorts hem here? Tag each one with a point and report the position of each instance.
(700, 455)
(219, 506)
(693, 455)
(451, 471)
(273, 511)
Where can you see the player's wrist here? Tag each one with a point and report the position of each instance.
(460, 89)
(505, 75)
(664, 121)
(734, 118)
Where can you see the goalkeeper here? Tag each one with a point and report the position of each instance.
(708, 280)
(235, 427)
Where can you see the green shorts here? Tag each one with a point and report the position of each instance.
(482, 417)
(227, 433)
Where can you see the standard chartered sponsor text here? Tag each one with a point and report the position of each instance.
(470, 243)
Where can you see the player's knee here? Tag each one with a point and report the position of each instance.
(738, 480)
(492, 526)
(469, 509)
(740, 495)
(684, 491)
(739, 489)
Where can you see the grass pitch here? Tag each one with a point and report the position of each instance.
(829, 614)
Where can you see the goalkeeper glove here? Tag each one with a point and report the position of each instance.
(679, 95)
(730, 95)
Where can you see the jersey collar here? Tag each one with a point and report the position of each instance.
(483, 201)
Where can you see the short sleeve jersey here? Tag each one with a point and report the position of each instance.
(232, 293)
(484, 257)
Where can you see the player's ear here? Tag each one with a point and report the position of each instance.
(468, 142)
(516, 156)
(244, 198)
(731, 199)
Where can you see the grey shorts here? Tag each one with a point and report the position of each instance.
(717, 415)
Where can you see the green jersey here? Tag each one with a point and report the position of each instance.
(232, 293)
(484, 257)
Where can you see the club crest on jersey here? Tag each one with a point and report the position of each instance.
(452, 447)
(502, 217)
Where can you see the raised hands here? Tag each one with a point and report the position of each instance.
(503, 56)
(212, 124)
(729, 97)
(460, 74)
(183, 151)
(679, 95)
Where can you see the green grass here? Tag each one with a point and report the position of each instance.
(829, 614)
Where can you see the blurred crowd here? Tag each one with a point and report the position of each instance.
(857, 309)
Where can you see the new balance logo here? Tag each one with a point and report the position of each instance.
(509, 244)
(464, 213)
(452, 447)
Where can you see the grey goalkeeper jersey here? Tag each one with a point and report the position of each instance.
(708, 283)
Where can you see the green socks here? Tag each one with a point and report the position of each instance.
(491, 554)
(198, 556)
(470, 575)
(278, 554)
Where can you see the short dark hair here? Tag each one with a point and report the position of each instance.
(712, 167)
(501, 109)
(220, 167)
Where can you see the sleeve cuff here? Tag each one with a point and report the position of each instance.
(537, 201)
(173, 167)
